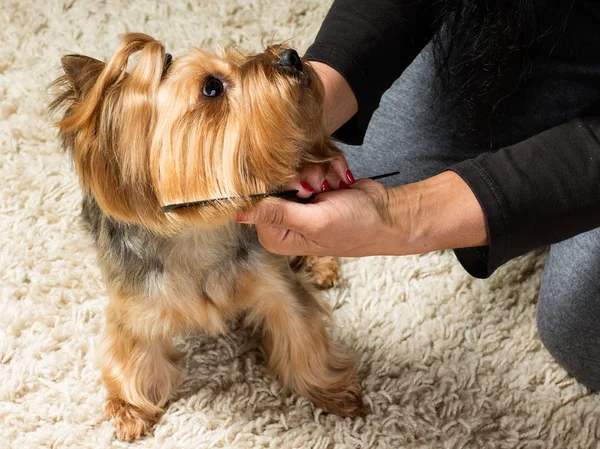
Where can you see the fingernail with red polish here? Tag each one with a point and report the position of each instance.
(306, 186)
(239, 217)
(325, 186)
(350, 177)
(343, 185)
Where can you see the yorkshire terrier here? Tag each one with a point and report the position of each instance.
(208, 124)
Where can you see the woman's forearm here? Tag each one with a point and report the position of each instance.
(339, 102)
(442, 213)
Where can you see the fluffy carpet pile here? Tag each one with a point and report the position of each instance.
(446, 361)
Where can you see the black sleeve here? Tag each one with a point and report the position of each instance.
(370, 43)
(541, 191)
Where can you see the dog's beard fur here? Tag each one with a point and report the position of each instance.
(148, 137)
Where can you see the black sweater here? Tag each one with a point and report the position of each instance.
(534, 193)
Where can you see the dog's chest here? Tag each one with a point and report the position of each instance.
(207, 264)
(202, 251)
(146, 265)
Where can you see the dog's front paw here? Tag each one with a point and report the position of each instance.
(343, 400)
(324, 271)
(130, 422)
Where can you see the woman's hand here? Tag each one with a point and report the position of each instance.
(314, 178)
(369, 219)
(350, 222)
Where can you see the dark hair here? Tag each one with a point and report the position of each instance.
(483, 51)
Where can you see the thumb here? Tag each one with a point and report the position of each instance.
(280, 214)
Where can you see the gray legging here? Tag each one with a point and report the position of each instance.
(410, 133)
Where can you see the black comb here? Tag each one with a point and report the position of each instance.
(286, 194)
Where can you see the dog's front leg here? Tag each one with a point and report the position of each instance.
(300, 351)
(139, 372)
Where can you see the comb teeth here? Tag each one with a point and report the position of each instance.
(215, 201)
(286, 194)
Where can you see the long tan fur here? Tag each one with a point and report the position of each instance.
(143, 135)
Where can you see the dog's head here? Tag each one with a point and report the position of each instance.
(208, 124)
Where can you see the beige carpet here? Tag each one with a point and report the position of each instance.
(446, 361)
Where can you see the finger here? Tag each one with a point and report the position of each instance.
(316, 177)
(309, 182)
(283, 214)
(335, 182)
(336, 176)
(340, 167)
(305, 190)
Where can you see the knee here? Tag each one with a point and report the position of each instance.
(567, 326)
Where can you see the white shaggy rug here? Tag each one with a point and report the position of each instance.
(445, 361)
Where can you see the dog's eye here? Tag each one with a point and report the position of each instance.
(213, 87)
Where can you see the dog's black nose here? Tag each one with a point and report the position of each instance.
(290, 58)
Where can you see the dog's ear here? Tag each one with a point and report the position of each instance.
(81, 71)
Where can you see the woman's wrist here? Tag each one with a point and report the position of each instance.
(438, 213)
(340, 102)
